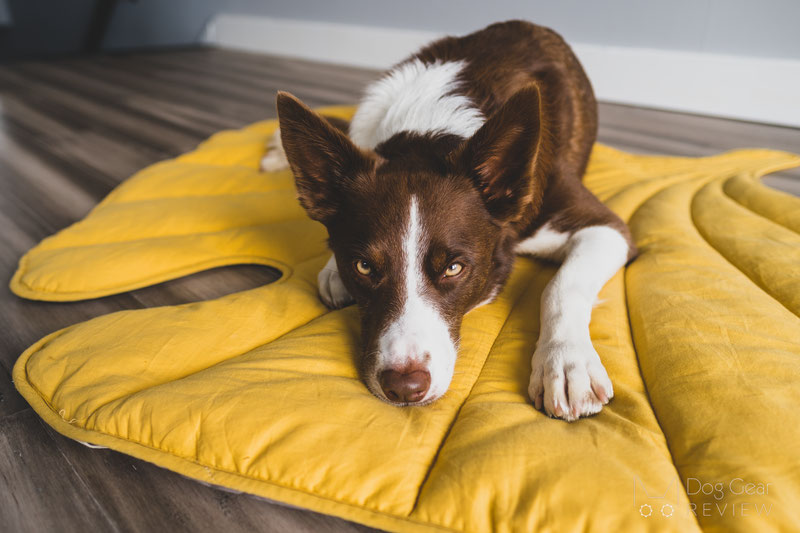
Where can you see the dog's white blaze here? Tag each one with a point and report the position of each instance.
(418, 98)
(419, 334)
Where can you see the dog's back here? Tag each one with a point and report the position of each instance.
(452, 85)
(505, 57)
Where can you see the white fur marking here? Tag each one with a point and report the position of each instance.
(332, 291)
(419, 334)
(568, 379)
(546, 243)
(489, 299)
(275, 158)
(415, 97)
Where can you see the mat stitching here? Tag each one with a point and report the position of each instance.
(223, 470)
(720, 254)
(636, 352)
(220, 469)
(762, 188)
(255, 192)
(469, 394)
(652, 406)
(187, 270)
(299, 218)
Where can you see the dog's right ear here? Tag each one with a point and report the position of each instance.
(502, 154)
(322, 158)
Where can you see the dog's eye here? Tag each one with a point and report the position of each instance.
(453, 270)
(363, 267)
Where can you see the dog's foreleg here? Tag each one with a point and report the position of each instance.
(568, 379)
(332, 291)
(275, 158)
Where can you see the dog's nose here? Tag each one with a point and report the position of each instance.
(405, 385)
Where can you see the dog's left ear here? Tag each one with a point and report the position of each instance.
(501, 155)
(322, 158)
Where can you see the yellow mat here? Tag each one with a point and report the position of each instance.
(257, 391)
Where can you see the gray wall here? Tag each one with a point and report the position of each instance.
(149, 23)
(36, 28)
(767, 28)
(5, 13)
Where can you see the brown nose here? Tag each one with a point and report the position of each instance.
(405, 386)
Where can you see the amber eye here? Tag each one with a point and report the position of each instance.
(363, 267)
(453, 270)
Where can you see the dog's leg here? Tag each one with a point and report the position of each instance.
(331, 289)
(567, 378)
(275, 158)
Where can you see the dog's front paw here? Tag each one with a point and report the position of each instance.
(332, 291)
(275, 158)
(568, 380)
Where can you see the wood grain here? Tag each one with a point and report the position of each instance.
(39, 489)
(70, 131)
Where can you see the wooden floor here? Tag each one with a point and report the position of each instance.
(70, 131)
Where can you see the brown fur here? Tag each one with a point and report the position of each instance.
(509, 56)
(478, 197)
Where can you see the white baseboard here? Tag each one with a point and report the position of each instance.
(747, 88)
(361, 46)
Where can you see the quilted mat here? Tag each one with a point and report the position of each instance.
(257, 391)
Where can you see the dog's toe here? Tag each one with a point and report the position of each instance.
(274, 161)
(275, 158)
(332, 291)
(569, 381)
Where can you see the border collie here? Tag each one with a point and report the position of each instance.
(465, 154)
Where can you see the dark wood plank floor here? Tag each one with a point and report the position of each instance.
(70, 130)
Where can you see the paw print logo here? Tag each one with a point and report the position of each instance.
(660, 499)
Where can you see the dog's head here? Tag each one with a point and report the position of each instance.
(422, 230)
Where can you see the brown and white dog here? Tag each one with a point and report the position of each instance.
(469, 152)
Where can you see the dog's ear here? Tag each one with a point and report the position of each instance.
(322, 158)
(501, 155)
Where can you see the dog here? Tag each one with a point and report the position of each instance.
(467, 153)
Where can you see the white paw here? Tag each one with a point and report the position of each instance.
(332, 291)
(275, 159)
(568, 379)
(274, 162)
